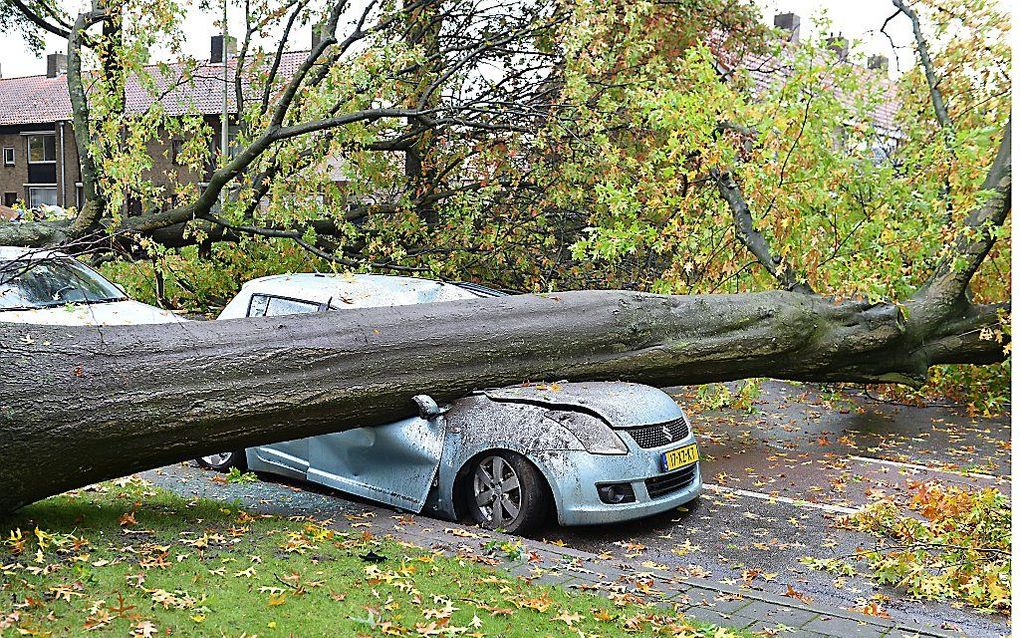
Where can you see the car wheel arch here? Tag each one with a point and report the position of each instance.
(461, 488)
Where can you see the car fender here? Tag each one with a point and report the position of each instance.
(477, 424)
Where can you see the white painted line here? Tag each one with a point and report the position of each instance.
(927, 468)
(825, 507)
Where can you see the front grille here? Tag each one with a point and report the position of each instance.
(660, 486)
(649, 436)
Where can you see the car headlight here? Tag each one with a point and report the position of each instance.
(592, 432)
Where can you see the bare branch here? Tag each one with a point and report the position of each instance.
(941, 112)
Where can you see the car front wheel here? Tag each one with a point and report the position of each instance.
(223, 461)
(507, 493)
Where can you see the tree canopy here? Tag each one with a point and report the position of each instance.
(676, 147)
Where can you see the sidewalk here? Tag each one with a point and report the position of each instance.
(698, 598)
(546, 563)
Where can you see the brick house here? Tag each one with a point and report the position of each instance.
(38, 153)
(38, 156)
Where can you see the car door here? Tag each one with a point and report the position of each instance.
(395, 464)
(289, 458)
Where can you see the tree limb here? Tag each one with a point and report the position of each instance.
(938, 103)
(753, 240)
(81, 124)
(948, 283)
(127, 398)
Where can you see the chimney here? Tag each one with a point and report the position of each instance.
(56, 64)
(216, 48)
(789, 22)
(838, 45)
(317, 30)
(879, 63)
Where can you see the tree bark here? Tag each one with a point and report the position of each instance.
(83, 404)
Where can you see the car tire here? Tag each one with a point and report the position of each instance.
(223, 461)
(505, 491)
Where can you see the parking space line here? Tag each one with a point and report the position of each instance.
(926, 468)
(825, 507)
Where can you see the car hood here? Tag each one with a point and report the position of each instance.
(621, 404)
(112, 313)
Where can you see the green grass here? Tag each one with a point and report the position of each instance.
(128, 559)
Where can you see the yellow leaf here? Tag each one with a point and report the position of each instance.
(276, 600)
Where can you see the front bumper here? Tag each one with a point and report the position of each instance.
(573, 476)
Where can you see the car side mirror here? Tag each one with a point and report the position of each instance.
(428, 409)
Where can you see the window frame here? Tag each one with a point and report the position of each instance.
(320, 307)
(9, 156)
(28, 148)
(43, 188)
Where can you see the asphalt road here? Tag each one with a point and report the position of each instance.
(776, 480)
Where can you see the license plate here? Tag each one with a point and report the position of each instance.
(675, 459)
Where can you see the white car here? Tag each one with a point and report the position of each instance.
(49, 287)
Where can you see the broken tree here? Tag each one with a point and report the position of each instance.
(84, 404)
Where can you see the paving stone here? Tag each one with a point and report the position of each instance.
(918, 632)
(705, 614)
(774, 628)
(725, 605)
(845, 628)
(767, 612)
(701, 596)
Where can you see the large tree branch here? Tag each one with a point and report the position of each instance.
(81, 124)
(974, 239)
(58, 27)
(754, 241)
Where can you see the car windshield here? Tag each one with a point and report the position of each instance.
(27, 284)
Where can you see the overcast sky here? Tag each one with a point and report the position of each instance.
(857, 19)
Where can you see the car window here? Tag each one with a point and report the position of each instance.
(262, 305)
(43, 283)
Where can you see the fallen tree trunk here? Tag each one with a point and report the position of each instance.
(83, 404)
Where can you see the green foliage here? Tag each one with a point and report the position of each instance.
(715, 396)
(512, 550)
(207, 284)
(237, 476)
(948, 543)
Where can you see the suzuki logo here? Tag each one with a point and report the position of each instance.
(667, 433)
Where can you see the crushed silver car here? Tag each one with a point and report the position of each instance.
(590, 453)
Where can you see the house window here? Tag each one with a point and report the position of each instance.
(9, 156)
(233, 148)
(42, 195)
(10, 199)
(176, 149)
(42, 149)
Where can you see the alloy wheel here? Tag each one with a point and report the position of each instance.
(217, 460)
(497, 491)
